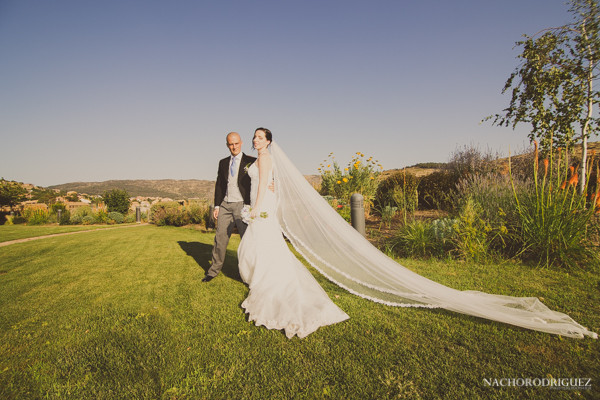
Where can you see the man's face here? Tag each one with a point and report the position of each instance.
(234, 144)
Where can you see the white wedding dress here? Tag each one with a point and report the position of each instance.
(283, 293)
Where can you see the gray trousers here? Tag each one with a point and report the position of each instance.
(229, 217)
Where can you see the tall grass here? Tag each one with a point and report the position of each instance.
(554, 218)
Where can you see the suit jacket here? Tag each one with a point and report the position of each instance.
(243, 179)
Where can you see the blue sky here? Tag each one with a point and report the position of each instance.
(114, 89)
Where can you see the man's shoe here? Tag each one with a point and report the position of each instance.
(207, 278)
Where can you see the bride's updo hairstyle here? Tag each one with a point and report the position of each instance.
(268, 135)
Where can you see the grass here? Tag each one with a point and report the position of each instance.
(14, 232)
(122, 313)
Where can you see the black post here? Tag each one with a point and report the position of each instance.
(138, 214)
(357, 213)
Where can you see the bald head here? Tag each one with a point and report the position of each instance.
(234, 143)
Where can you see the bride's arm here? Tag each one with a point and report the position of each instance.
(264, 166)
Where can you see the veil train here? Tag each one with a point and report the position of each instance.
(346, 258)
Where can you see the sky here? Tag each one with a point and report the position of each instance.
(97, 90)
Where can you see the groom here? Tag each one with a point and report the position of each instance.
(232, 191)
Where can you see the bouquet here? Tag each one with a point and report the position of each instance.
(247, 214)
(246, 210)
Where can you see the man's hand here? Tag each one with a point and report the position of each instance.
(216, 213)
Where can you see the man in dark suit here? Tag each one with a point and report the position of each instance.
(232, 191)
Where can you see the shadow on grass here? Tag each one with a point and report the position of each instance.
(202, 254)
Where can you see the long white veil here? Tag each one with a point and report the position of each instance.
(346, 258)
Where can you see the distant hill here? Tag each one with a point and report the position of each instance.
(172, 188)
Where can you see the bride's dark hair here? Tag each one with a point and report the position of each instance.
(268, 135)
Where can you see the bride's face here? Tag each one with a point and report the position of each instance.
(260, 141)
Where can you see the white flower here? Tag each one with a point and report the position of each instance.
(246, 210)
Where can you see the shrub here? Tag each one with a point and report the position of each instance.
(65, 218)
(129, 218)
(341, 208)
(169, 213)
(473, 234)
(493, 192)
(360, 176)
(199, 212)
(422, 239)
(17, 219)
(102, 217)
(88, 220)
(470, 160)
(36, 216)
(494, 195)
(79, 213)
(116, 217)
(436, 190)
(400, 190)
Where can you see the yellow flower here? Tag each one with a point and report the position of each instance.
(345, 169)
(372, 178)
(345, 179)
(329, 166)
(338, 182)
(350, 176)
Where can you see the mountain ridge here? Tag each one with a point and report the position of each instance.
(167, 188)
(176, 189)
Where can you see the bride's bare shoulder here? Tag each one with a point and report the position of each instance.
(264, 161)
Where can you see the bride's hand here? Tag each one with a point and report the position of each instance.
(252, 214)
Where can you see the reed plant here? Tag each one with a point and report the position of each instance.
(554, 219)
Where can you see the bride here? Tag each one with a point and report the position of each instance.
(284, 295)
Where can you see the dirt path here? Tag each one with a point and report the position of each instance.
(2, 244)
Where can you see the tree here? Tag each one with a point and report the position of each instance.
(72, 197)
(47, 196)
(11, 193)
(553, 88)
(117, 200)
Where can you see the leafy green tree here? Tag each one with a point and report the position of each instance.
(11, 193)
(47, 196)
(117, 200)
(553, 88)
(72, 197)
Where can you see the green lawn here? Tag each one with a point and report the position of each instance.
(122, 314)
(14, 232)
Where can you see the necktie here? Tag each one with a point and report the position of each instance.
(232, 168)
